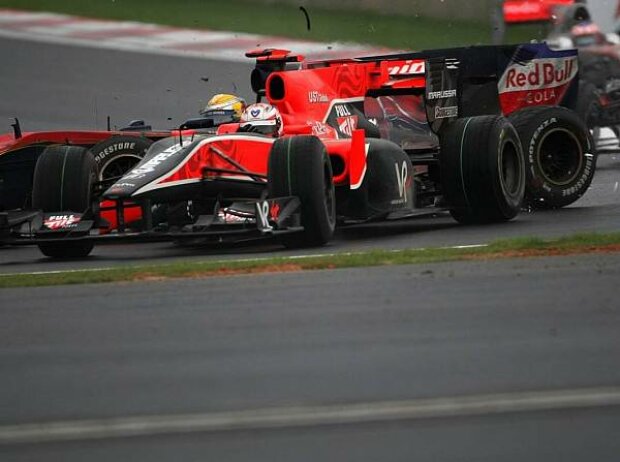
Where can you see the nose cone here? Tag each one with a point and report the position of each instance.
(161, 159)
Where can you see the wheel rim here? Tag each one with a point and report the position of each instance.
(118, 166)
(511, 170)
(560, 157)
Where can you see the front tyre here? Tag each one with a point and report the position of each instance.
(299, 166)
(63, 178)
(559, 154)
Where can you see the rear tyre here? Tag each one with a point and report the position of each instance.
(62, 182)
(299, 166)
(119, 154)
(560, 155)
(482, 169)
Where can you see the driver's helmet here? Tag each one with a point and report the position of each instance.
(261, 118)
(224, 106)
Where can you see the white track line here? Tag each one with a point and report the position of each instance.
(304, 416)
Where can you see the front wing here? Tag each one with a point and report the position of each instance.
(247, 219)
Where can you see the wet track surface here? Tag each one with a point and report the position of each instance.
(318, 338)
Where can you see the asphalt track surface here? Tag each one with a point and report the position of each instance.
(197, 363)
(187, 350)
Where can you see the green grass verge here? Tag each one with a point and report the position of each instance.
(402, 32)
(530, 246)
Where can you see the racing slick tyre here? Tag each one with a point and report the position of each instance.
(560, 157)
(299, 166)
(482, 169)
(119, 154)
(62, 182)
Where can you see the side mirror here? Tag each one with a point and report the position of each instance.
(136, 125)
(198, 123)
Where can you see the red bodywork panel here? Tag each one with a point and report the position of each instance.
(251, 152)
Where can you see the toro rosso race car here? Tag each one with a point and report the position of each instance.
(473, 131)
(570, 25)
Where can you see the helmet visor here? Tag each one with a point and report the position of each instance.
(262, 128)
(219, 116)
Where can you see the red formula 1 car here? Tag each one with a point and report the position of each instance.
(471, 130)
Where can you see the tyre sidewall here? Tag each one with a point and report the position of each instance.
(116, 147)
(509, 199)
(540, 189)
(473, 152)
(299, 166)
(63, 179)
(62, 182)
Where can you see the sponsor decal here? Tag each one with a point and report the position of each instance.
(441, 94)
(119, 188)
(408, 67)
(262, 209)
(274, 211)
(317, 97)
(128, 145)
(523, 8)
(342, 111)
(446, 112)
(538, 74)
(540, 81)
(153, 163)
(346, 125)
(318, 128)
(255, 112)
(232, 218)
(61, 221)
(401, 180)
